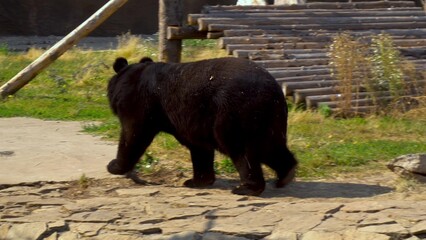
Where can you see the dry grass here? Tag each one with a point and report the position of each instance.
(374, 65)
(33, 53)
(134, 48)
(350, 66)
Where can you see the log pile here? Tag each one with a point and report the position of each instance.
(292, 41)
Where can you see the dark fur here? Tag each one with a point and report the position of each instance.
(227, 104)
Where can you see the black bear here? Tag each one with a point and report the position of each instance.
(227, 104)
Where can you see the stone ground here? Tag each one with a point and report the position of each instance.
(45, 196)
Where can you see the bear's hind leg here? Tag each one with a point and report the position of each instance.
(284, 164)
(251, 175)
(203, 169)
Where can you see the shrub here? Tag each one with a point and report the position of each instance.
(374, 65)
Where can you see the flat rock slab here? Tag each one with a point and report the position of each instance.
(34, 150)
(27, 213)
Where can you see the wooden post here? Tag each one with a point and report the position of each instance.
(170, 14)
(31, 71)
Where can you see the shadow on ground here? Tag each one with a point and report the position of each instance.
(327, 190)
(305, 189)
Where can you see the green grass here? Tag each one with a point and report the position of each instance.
(74, 88)
(326, 146)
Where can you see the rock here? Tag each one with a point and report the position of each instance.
(299, 222)
(4, 229)
(46, 215)
(388, 229)
(413, 238)
(88, 229)
(369, 206)
(59, 226)
(100, 216)
(233, 212)
(319, 235)
(411, 165)
(332, 224)
(48, 189)
(419, 228)
(197, 224)
(184, 212)
(48, 202)
(353, 234)
(219, 236)
(53, 236)
(117, 236)
(137, 191)
(190, 235)
(137, 228)
(253, 224)
(69, 236)
(277, 234)
(26, 231)
(185, 235)
(376, 219)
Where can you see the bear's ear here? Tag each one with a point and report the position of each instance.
(119, 64)
(145, 59)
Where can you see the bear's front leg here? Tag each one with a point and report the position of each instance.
(203, 169)
(133, 143)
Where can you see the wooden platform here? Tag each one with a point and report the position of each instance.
(292, 42)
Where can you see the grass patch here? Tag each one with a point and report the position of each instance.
(327, 146)
(74, 88)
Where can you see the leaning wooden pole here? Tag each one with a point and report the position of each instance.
(28, 73)
(170, 14)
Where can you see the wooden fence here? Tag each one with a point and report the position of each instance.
(292, 41)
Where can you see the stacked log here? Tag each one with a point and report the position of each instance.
(292, 41)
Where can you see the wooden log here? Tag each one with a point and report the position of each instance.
(340, 27)
(299, 71)
(215, 35)
(170, 14)
(354, 111)
(185, 32)
(280, 54)
(291, 63)
(317, 5)
(32, 70)
(357, 102)
(409, 42)
(290, 87)
(204, 23)
(305, 9)
(305, 78)
(193, 18)
(299, 95)
(307, 55)
(254, 40)
(409, 33)
(315, 101)
(289, 45)
(314, 98)
(310, 36)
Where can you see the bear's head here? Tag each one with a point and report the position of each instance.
(125, 87)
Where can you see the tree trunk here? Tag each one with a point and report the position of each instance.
(170, 14)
